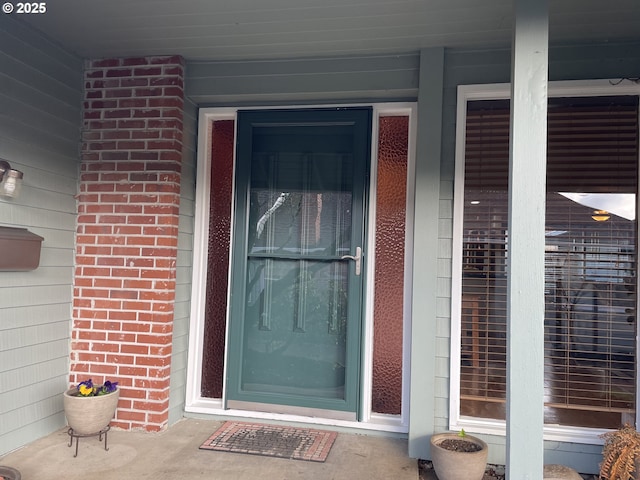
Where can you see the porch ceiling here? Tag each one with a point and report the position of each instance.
(266, 29)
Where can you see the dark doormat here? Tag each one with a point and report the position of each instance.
(272, 441)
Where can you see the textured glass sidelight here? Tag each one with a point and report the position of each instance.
(222, 139)
(391, 197)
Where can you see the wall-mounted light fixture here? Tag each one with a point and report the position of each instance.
(10, 180)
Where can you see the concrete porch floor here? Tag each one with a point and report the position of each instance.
(174, 454)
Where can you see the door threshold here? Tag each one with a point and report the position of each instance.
(292, 410)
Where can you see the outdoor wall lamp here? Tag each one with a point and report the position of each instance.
(10, 180)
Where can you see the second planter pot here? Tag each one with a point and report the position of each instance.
(458, 465)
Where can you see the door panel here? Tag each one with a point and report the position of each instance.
(295, 325)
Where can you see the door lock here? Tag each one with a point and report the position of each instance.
(356, 258)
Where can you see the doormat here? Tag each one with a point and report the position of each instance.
(272, 441)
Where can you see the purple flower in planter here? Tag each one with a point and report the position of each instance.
(87, 389)
(108, 387)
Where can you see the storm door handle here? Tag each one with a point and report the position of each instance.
(356, 258)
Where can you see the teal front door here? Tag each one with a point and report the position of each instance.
(295, 327)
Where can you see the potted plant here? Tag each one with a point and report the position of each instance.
(458, 456)
(620, 454)
(8, 473)
(88, 408)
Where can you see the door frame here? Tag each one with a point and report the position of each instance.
(194, 402)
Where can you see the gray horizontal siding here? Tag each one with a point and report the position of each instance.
(467, 67)
(391, 77)
(182, 307)
(40, 119)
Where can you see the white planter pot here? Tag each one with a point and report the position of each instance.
(451, 465)
(89, 415)
(9, 473)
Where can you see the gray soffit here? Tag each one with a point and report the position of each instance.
(205, 30)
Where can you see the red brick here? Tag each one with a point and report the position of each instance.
(99, 208)
(140, 219)
(166, 102)
(112, 262)
(122, 315)
(163, 145)
(103, 369)
(174, 81)
(117, 338)
(115, 156)
(108, 283)
(108, 304)
(148, 71)
(173, 71)
(112, 219)
(134, 416)
(148, 384)
(89, 157)
(172, 113)
(135, 61)
(119, 72)
(140, 240)
(105, 63)
(139, 283)
(126, 272)
(147, 113)
(116, 135)
(148, 92)
(96, 272)
(135, 349)
(145, 134)
(132, 103)
(144, 177)
(106, 346)
(140, 306)
(144, 156)
(118, 93)
(174, 91)
(126, 251)
(100, 187)
(138, 327)
(88, 335)
(131, 124)
(117, 114)
(81, 260)
(130, 145)
(134, 82)
(166, 123)
(129, 209)
(102, 124)
(132, 371)
(105, 325)
(171, 60)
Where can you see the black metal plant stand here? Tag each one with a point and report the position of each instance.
(78, 436)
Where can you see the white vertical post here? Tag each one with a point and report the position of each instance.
(525, 296)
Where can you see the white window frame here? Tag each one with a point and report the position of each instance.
(194, 402)
(466, 93)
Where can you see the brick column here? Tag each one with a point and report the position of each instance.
(127, 234)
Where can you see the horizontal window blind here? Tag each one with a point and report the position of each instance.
(590, 266)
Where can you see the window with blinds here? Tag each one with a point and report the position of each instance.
(590, 261)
